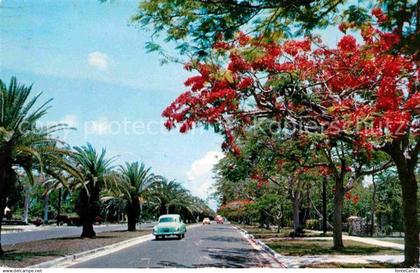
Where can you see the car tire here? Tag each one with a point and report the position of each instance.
(157, 237)
(179, 236)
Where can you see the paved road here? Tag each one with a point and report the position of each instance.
(58, 232)
(205, 246)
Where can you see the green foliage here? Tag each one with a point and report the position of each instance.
(195, 25)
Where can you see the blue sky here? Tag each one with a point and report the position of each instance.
(87, 56)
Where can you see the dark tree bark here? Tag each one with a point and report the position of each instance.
(406, 173)
(2, 207)
(337, 215)
(282, 218)
(87, 208)
(7, 180)
(133, 211)
(324, 205)
(296, 219)
(262, 215)
(267, 220)
(88, 231)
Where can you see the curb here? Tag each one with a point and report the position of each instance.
(274, 255)
(72, 259)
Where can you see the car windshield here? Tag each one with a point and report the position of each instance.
(167, 220)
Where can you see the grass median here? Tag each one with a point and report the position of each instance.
(323, 247)
(35, 252)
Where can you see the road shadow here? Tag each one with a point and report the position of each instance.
(224, 239)
(171, 265)
(234, 258)
(168, 239)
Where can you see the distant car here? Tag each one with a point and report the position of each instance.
(219, 219)
(206, 221)
(170, 225)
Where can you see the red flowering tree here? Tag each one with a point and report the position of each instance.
(363, 94)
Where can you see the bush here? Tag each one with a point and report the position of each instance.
(312, 224)
(98, 220)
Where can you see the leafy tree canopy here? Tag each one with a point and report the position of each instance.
(196, 24)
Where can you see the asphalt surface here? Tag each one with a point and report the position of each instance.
(205, 246)
(58, 232)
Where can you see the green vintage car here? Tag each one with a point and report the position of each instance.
(170, 224)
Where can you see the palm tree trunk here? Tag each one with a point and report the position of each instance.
(59, 207)
(87, 210)
(7, 178)
(46, 199)
(88, 231)
(26, 207)
(133, 210)
(2, 207)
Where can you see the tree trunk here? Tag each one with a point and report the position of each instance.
(407, 177)
(2, 207)
(296, 220)
(26, 207)
(133, 210)
(282, 218)
(261, 219)
(372, 219)
(87, 208)
(411, 239)
(46, 197)
(59, 207)
(267, 221)
(7, 180)
(88, 231)
(141, 211)
(337, 216)
(324, 205)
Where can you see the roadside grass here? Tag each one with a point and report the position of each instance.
(35, 252)
(353, 265)
(263, 233)
(16, 255)
(323, 247)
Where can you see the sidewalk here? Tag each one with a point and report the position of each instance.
(302, 261)
(370, 241)
(373, 241)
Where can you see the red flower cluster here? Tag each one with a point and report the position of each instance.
(380, 16)
(354, 198)
(360, 90)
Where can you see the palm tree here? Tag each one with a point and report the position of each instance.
(23, 143)
(168, 196)
(94, 168)
(130, 185)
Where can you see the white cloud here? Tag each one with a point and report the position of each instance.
(200, 175)
(98, 60)
(70, 120)
(100, 126)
